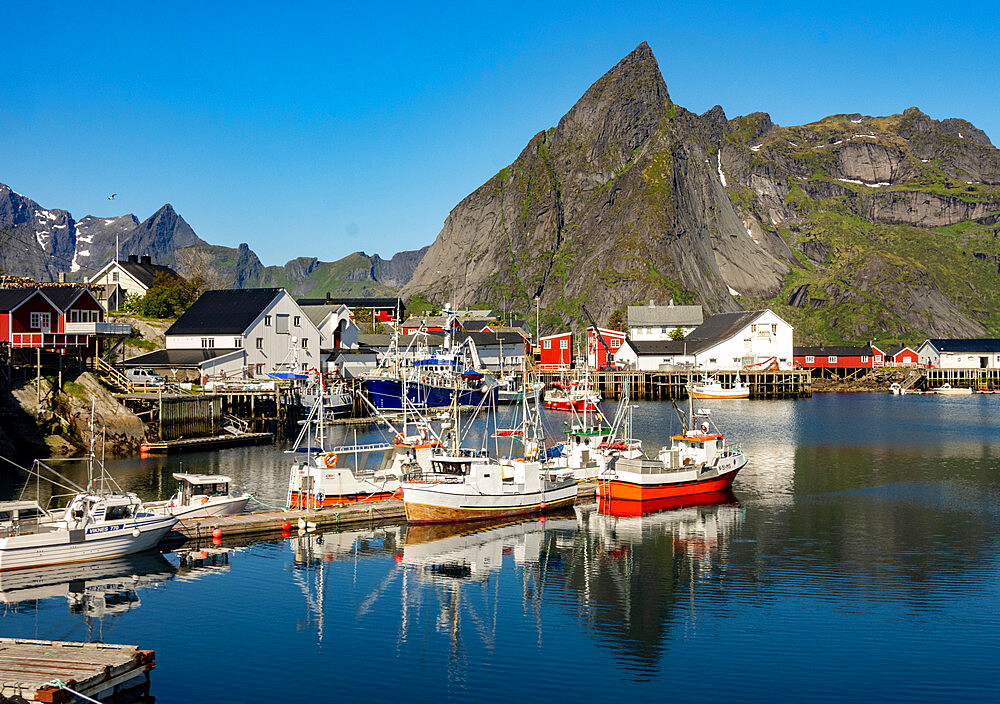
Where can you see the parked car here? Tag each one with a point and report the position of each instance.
(141, 375)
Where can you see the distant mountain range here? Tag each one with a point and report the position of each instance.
(851, 227)
(45, 242)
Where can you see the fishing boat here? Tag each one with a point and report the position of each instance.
(337, 398)
(697, 461)
(711, 388)
(201, 496)
(430, 378)
(514, 388)
(323, 476)
(92, 527)
(579, 396)
(465, 484)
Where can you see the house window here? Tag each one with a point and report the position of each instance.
(753, 328)
(40, 321)
(832, 359)
(237, 342)
(615, 342)
(305, 342)
(267, 321)
(736, 359)
(260, 343)
(296, 321)
(114, 277)
(546, 344)
(810, 359)
(208, 342)
(281, 323)
(564, 344)
(878, 358)
(712, 360)
(774, 328)
(864, 359)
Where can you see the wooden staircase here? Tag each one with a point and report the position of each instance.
(112, 376)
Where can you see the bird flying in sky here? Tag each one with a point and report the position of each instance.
(112, 196)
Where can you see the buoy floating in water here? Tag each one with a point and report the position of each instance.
(217, 533)
(286, 525)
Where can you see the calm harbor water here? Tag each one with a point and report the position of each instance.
(857, 558)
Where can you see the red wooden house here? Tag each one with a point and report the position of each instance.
(556, 351)
(838, 358)
(54, 318)
(902, 356)
(597, 356)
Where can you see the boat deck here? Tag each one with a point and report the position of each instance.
(28, 667)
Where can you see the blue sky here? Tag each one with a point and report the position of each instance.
(323, 129)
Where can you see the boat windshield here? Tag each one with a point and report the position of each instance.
(452, 466)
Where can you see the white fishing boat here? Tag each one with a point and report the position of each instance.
(92, 527)
(712, 388)
(99, 523)
(465, 484)
(337, 398)
(201, 496)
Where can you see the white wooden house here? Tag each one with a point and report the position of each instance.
(726, 341)
(134, 275)
(960, 354)
(653, 322)
(245, 332)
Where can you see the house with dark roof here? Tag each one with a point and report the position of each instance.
(653, 322)
(901, 356)
(839, 360)
(336, 326)
(383, 310)
(960, 353)
(243, 332)
(134, 275)
(60, 318)
(725, 341)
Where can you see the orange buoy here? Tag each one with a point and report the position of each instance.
(217, 533)
(287, 525)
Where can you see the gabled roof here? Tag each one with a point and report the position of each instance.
(11, 298)
(659, 347)
(177, 358)
(667, 316)
(896, 349)
(556, 334)
(967, 346)
(224, 312)
(519, 330)
(317, 314)
(717, 328)
(146, 274)
(474, 324)
(63, 297)
(430, 321)
(835, 350)
(490, 338)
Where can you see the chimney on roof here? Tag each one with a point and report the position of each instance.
(62, 277)
(327, 295)
(146, 259)
(133, 259)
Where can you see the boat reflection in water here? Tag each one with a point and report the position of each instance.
(92, 589)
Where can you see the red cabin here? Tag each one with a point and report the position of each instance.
(839, 357)
(56, 318)
(597, 356)
(902, 356)
(556, 351)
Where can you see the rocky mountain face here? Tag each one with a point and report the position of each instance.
(43, 243)
(852, 227)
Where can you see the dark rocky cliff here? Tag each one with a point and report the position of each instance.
(841, 225)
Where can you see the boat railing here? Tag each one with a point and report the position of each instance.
(359, 449)
(423, 477)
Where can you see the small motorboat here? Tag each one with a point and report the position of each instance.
(201, 496)
(949, 390)
(577, 396)
(711, 388)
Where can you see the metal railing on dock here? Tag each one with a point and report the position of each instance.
(778, 383)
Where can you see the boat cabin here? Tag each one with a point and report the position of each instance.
(17, 517)
(95, 507)
(694, 447)
(199, 487)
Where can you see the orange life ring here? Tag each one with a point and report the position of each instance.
(204, 499)
(398, 440)
(330, 459)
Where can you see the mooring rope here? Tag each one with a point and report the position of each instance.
(275, 508)
(62, 685)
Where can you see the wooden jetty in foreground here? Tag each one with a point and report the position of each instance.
(169, 447)
(349, 514)
(664, 384)
(29, 668)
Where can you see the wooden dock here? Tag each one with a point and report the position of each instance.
(777, 383)
(247, 524)
(29, 667)
(170, 447)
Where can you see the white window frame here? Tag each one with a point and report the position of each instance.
(237, 342)
(260, 343)
(297, 320)
(208, 343)
(564, 344)
(36, 319)
(810, 359)
(832, 359)
(267, 321)
(615, 342)
(546, 344)
(864, 359)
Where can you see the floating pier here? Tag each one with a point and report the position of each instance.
(169, 447)
(778, 383)
(29, 668)
(246, 524)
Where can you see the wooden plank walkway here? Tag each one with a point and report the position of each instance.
(246, 524)
(93, 669)
(169, 447)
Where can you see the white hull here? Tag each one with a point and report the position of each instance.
(215, 506)
(56, 545)
(448, 502)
